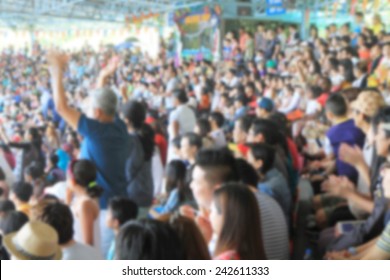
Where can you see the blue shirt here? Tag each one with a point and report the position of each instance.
(345, 132)
(107, 145)
(276, 186)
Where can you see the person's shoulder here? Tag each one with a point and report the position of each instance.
(79, 251)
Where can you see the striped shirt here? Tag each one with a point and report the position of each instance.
(384, 240)
(274, 228)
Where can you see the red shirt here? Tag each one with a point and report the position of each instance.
(322, 99)
(162, 145)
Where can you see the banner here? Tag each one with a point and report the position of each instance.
(198, 31)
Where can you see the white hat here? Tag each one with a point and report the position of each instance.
(34, 241)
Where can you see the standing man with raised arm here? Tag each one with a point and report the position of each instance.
(106, 141)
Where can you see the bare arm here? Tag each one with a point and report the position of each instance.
(87, 218)
(361, 201)
(57, 63)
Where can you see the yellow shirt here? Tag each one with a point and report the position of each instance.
(24, 208)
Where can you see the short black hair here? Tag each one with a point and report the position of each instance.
(135, 112)
(383, 116)
(219, 165)
(204, 127)
(266, 153)
(268, 129)
(247, 173)
(177, 142)
(35, 170)
(6, 206)
(23, 191)
(148, 240)
(123, 209)
(245, 123)
(218, 118)
(193, 139)
(181, 95)
(59, 216)
(12, 221)
(54, 159)
(337, 105)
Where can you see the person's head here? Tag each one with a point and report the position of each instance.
(248, 175)
(381, 124)
(313, 92)
(241, 129)
(213, 167)
(192, 240)
(202, 127)
(82, 175)
(12, 221)
(359, 17)
(217, 120)
(264, 131)
(385, 172)
(175, 175)
(21, 192)
(148, 240)
(34, 241)
(336, 107)
(264, 107)
(180, 97)
(104, 104)
(134, 113)
(365, 107)
(235, 219)
(240, 101)
(57, 215)
(360, 68)
(120, 211)
(6, 206)
(190, 144)
(262, 157)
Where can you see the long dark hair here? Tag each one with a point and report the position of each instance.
(135, 113)
(194, 245)
(84, 173)
(241, 230)
(176, 178)
(148, 240)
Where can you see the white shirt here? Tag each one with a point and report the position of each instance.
(312, 107)
(185, 117)
(80, 251)
(219, 138)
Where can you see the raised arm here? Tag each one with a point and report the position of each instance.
(57, 63)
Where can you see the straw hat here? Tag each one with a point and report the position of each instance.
(34, 241)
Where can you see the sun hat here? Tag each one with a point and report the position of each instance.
(34, 241)
(369, 102)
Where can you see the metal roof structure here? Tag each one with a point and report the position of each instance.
(44, 13)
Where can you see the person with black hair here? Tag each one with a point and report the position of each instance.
(140, 187)
(190, 145)
(240, 107)
(120, 211)
(85, 191)
(59, 216)
(203, 130)
(20, 195)
(178, 192)
(54, 174)
(342, 131)
(6, 206)
(181, 120)
(10, 222)
(148, 240)
(217, 121)
(272, 182)
(31, 150)
(33, 174)
(273, 221)
(212, 168)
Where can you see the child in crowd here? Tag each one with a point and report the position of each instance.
(178, 192)
(84, 191)
(21, 194)
(120, 211)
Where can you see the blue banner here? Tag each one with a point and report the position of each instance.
(273, 11)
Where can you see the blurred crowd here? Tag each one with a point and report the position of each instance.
(112, 154)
